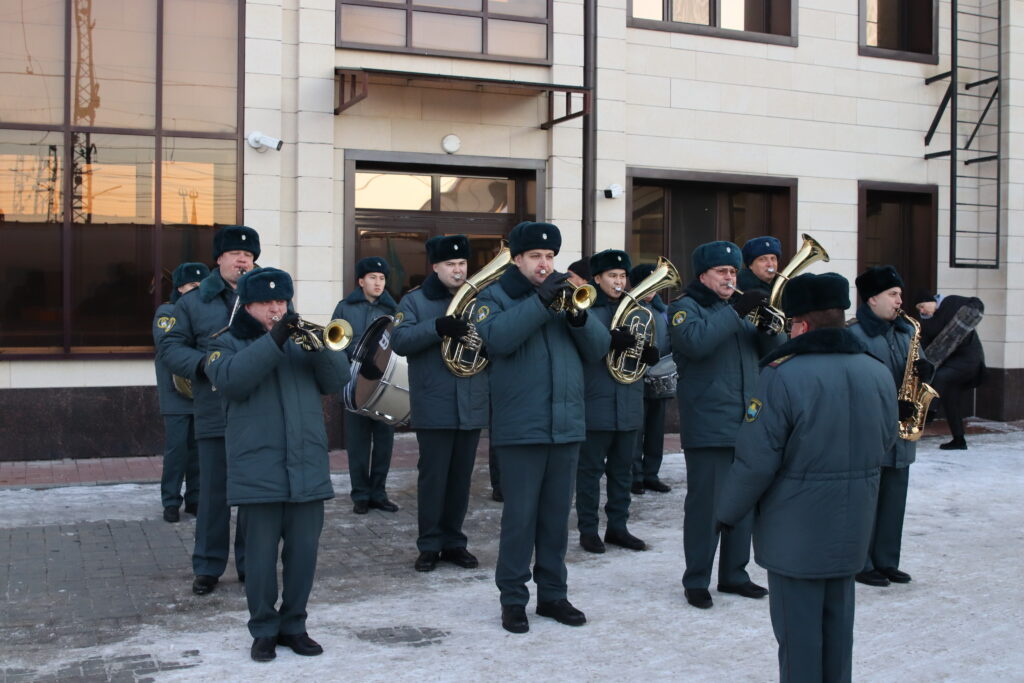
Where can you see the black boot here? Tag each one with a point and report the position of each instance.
(562, 611)
(263, 649)
(301, 644)
(624, 539)
(171, 514)
(957, 444)
(513, 619)
(591, 543)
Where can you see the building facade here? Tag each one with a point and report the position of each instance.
(649, 125)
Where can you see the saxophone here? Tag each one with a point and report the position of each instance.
(913, 391)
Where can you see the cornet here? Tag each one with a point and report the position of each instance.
(335, 336)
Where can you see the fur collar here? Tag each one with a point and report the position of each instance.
(827, 340)
(357, 296)
(602, 298)
(657, 304)
(244, 326)
(875, 326)
(212, 286)
(515, 283)
(702, 295)
(433, 289)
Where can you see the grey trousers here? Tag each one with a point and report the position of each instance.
(610, 454)
(181, 462)
(369, 444)
(442, 494)
(213, 523)
(650, 441)
(887, 537)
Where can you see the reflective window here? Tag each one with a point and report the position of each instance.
(724, 18)
(404, 253)
(899, 25)
(372, 25)
(516, 39)
(32, 61)
(432, 31)
(481, 195)
(397, 191)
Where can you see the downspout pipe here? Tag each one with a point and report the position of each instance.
(589, 125)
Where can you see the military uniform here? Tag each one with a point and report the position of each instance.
(764, 245)
(278, 469)
(650, 441)
(807, 459)
(368, 469)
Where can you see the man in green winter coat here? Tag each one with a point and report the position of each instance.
(760, 263)
(194, 321)
(614, 416)
(181, 459)
(807, 459)
(887, 337)
(447, 411)
(278, 470)
(716, 351)
(368, 465)
(537, 419)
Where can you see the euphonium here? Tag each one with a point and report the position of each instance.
(769, 316)
(625, 366)
(462, 355)
(913, 391)
(334, 336)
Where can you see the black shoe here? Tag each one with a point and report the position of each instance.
(562, 611)
(263, 649)
(192, 508)
(171, 514)
(872, 578)
(497, 496)
(657, 485)
(513, 619)
(698, 597)
(895, 575)
(301, 644)
(385, 505)
(426, 561)
(203, 584)
(461, 557)
(746, 590)
(241, 577)
(637, 489)
(360, 507)
(592, 543)
(955, 445)
(624, 539)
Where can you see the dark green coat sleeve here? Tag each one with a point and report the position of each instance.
(505, 330)
(236, 375)
(700, 336)
(413, 332)
(176, 349)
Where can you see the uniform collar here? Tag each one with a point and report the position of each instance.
(702, 295)
(244, 326)
(212, 286)
(357, 296)
(434, 289)
(828, 340)
(875, 326)
(515, 283)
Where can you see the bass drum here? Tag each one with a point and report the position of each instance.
(379, 388)
(660, 380)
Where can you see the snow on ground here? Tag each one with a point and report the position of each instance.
(957, 621)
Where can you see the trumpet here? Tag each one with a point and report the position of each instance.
(335, 336)
(572, 298)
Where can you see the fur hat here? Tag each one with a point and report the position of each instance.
(609, 259)
(236, 238)
(581, 268)
(759, 246)
(640, 272)
(877, 279)
(372, 264)
(713, 254)
(189, 272)
(529, 235)
(809, 292)
(923, 296)
(447, 248)
(265, 284)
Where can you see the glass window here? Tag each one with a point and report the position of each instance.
(692, 11)
(648, 9)
(32, 62)
(900, 25)
(372, 26)
(480, 195)
(404, 254)
(516, 39)
(445, 32)
(467, 5)
(519, 8)
(724, 18)
(397, 191)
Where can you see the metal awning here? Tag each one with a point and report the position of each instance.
(352, 85)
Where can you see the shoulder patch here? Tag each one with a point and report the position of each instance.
(753, 410)
(213, 357)
(678, 318)
(165, 323)
(851, 322)
(482, 312)
(399, 317)
(779, 361)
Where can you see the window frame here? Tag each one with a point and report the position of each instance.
(791, 40)
(157, 134)
(409, 8)
(865, 50)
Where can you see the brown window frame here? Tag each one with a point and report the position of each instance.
(484, 15)
(866, 50)
(716, 31)
(157, 134)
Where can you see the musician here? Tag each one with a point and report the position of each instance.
(963, 369)
(537, 422)
(650, 441)
(183, 350)
(716, 352)
(181, 460)
(887, 337)
(807, 457)
(614, 415)
(368, 465)
(579, 272)
(448, 412)
(760, 263)
(278, 471)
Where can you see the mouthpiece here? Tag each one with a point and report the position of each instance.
(618, 289)
(543, 271)
(275, 318)
(771, 270)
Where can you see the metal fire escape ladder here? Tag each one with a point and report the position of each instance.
(972, 96)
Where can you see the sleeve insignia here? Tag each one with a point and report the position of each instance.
(399, 317)
(481, 313)
(165, 323)
(678, 318)
(753, 410)
(779, 361)
(213, 357)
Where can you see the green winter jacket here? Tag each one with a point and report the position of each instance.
(611, 406)
(171, 402)
(357, 310)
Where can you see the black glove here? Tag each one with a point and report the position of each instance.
(201, 369)
(924, 369)
(548, 290)
(650, 355)
(622, 339)
(282, 329)
(576, 318)
(370, 371)
(722, 527)
(906, 409)
(748, 301)
(451, 326)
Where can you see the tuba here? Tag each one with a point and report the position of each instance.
(913, 391)
(334, 336)
(769, 316)
(462, 356)
(625, 366)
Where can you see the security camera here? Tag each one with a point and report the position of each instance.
(261, 143)
(614, 191)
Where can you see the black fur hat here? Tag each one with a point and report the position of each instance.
(447, 248)
(809, 292)
(236, 237)
(877, 279)
(372, 264)
(265, 284)
(640, 272)
(759, 246)
(713, 254)
(581, 268)
(189, 272)
(529, 235)
(609, 259)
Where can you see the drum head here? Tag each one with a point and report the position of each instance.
(373, 349)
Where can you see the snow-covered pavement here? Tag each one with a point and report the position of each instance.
(955, 621)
